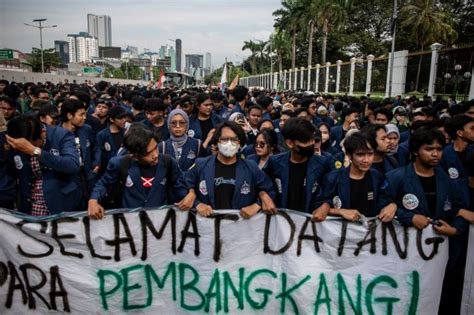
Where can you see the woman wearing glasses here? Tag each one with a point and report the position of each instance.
(266, 144)
(179, 146)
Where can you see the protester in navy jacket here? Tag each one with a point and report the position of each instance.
(298, 174)
(204, 120)
(109, 140)
(423, 191)
(47, 164)
(73, 117)
(357, 190)
(179, 146)
(458, 155)
(425, 195)
(348, 115)
(150, 178)
(377, 137)
(225, 181)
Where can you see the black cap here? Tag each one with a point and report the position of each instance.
(117, 112)
(50, 110)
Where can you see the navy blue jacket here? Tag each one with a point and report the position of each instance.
(453, 166)
(190, 152)
(278, 169)
(105, 149)
(403, 154)
(223, 113)
(60, 166)
(237, 109)
(7, 174)
(337, 184)
(336, 136)
(249, 181)
(405, 189)
(134, 194)
(161, 133)
(87, 144)
(389, 163)
(194, 130)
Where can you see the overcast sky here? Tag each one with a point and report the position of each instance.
(214, 26)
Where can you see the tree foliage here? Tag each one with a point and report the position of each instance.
(306, 31)
(50, 57)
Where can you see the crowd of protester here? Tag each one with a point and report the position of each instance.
(72, 147)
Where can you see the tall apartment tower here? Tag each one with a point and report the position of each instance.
(82, 47)
(178, 55)
(207, 61)
(100, 27)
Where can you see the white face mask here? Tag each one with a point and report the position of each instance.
(228, 149)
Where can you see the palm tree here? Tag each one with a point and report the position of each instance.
(330, 15)
(289, 18)
(427, 24)
(261, 54)
(253, 47)
(280, 44)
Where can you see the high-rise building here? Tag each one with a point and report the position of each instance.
(82, 47)
(100, 27)
(62, 49)
(207, 62)
(194, 61)
(178, 54)
(168, 51)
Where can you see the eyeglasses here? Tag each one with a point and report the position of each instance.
(178, 123)
(233, 140)
(260, 144)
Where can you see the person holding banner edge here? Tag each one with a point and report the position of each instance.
(225, 181)
(356, 190)
(149, 175)
(298, 174)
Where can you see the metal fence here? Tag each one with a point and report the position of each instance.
(449, 73)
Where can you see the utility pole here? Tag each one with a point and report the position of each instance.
(40, 26)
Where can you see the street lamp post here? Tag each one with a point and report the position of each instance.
(40, 26)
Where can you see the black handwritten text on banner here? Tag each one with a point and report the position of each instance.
(167, 261)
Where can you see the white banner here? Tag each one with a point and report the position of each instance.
(164, 261)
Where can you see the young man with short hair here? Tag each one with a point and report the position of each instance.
(383, 116)
(240, 94)
(155, 111)
(377, 137)
(7, 106)
(426, 195)
(338, 132)
(457, 161)
(298, 174)
(147, 179)
(46, 162)
(109, 140)
(355, 190)
(73, 118)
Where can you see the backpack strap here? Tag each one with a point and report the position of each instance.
(124, 165)
(198, 147)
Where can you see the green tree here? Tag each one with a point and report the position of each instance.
(427, 23)
(330, 15)
(290, 19)
(50, 58)
(252, 46)
(280, 45)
